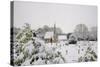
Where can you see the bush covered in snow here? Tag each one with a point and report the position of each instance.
(89, 55)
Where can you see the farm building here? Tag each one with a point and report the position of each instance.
(48, 37)
(53, 36)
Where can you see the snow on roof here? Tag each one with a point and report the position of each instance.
(49, 35)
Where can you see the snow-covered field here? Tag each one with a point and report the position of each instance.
(37, 52)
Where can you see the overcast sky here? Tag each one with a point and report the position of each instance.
(64, 15)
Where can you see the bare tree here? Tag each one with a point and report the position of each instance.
(46, 28)
(93, 33)
(81, 31)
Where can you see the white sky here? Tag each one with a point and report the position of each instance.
(65, 16)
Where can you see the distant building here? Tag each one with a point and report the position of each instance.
(53, 37)
(62, 37)
(49, 36)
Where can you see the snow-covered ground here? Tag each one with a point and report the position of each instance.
(38, 52)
